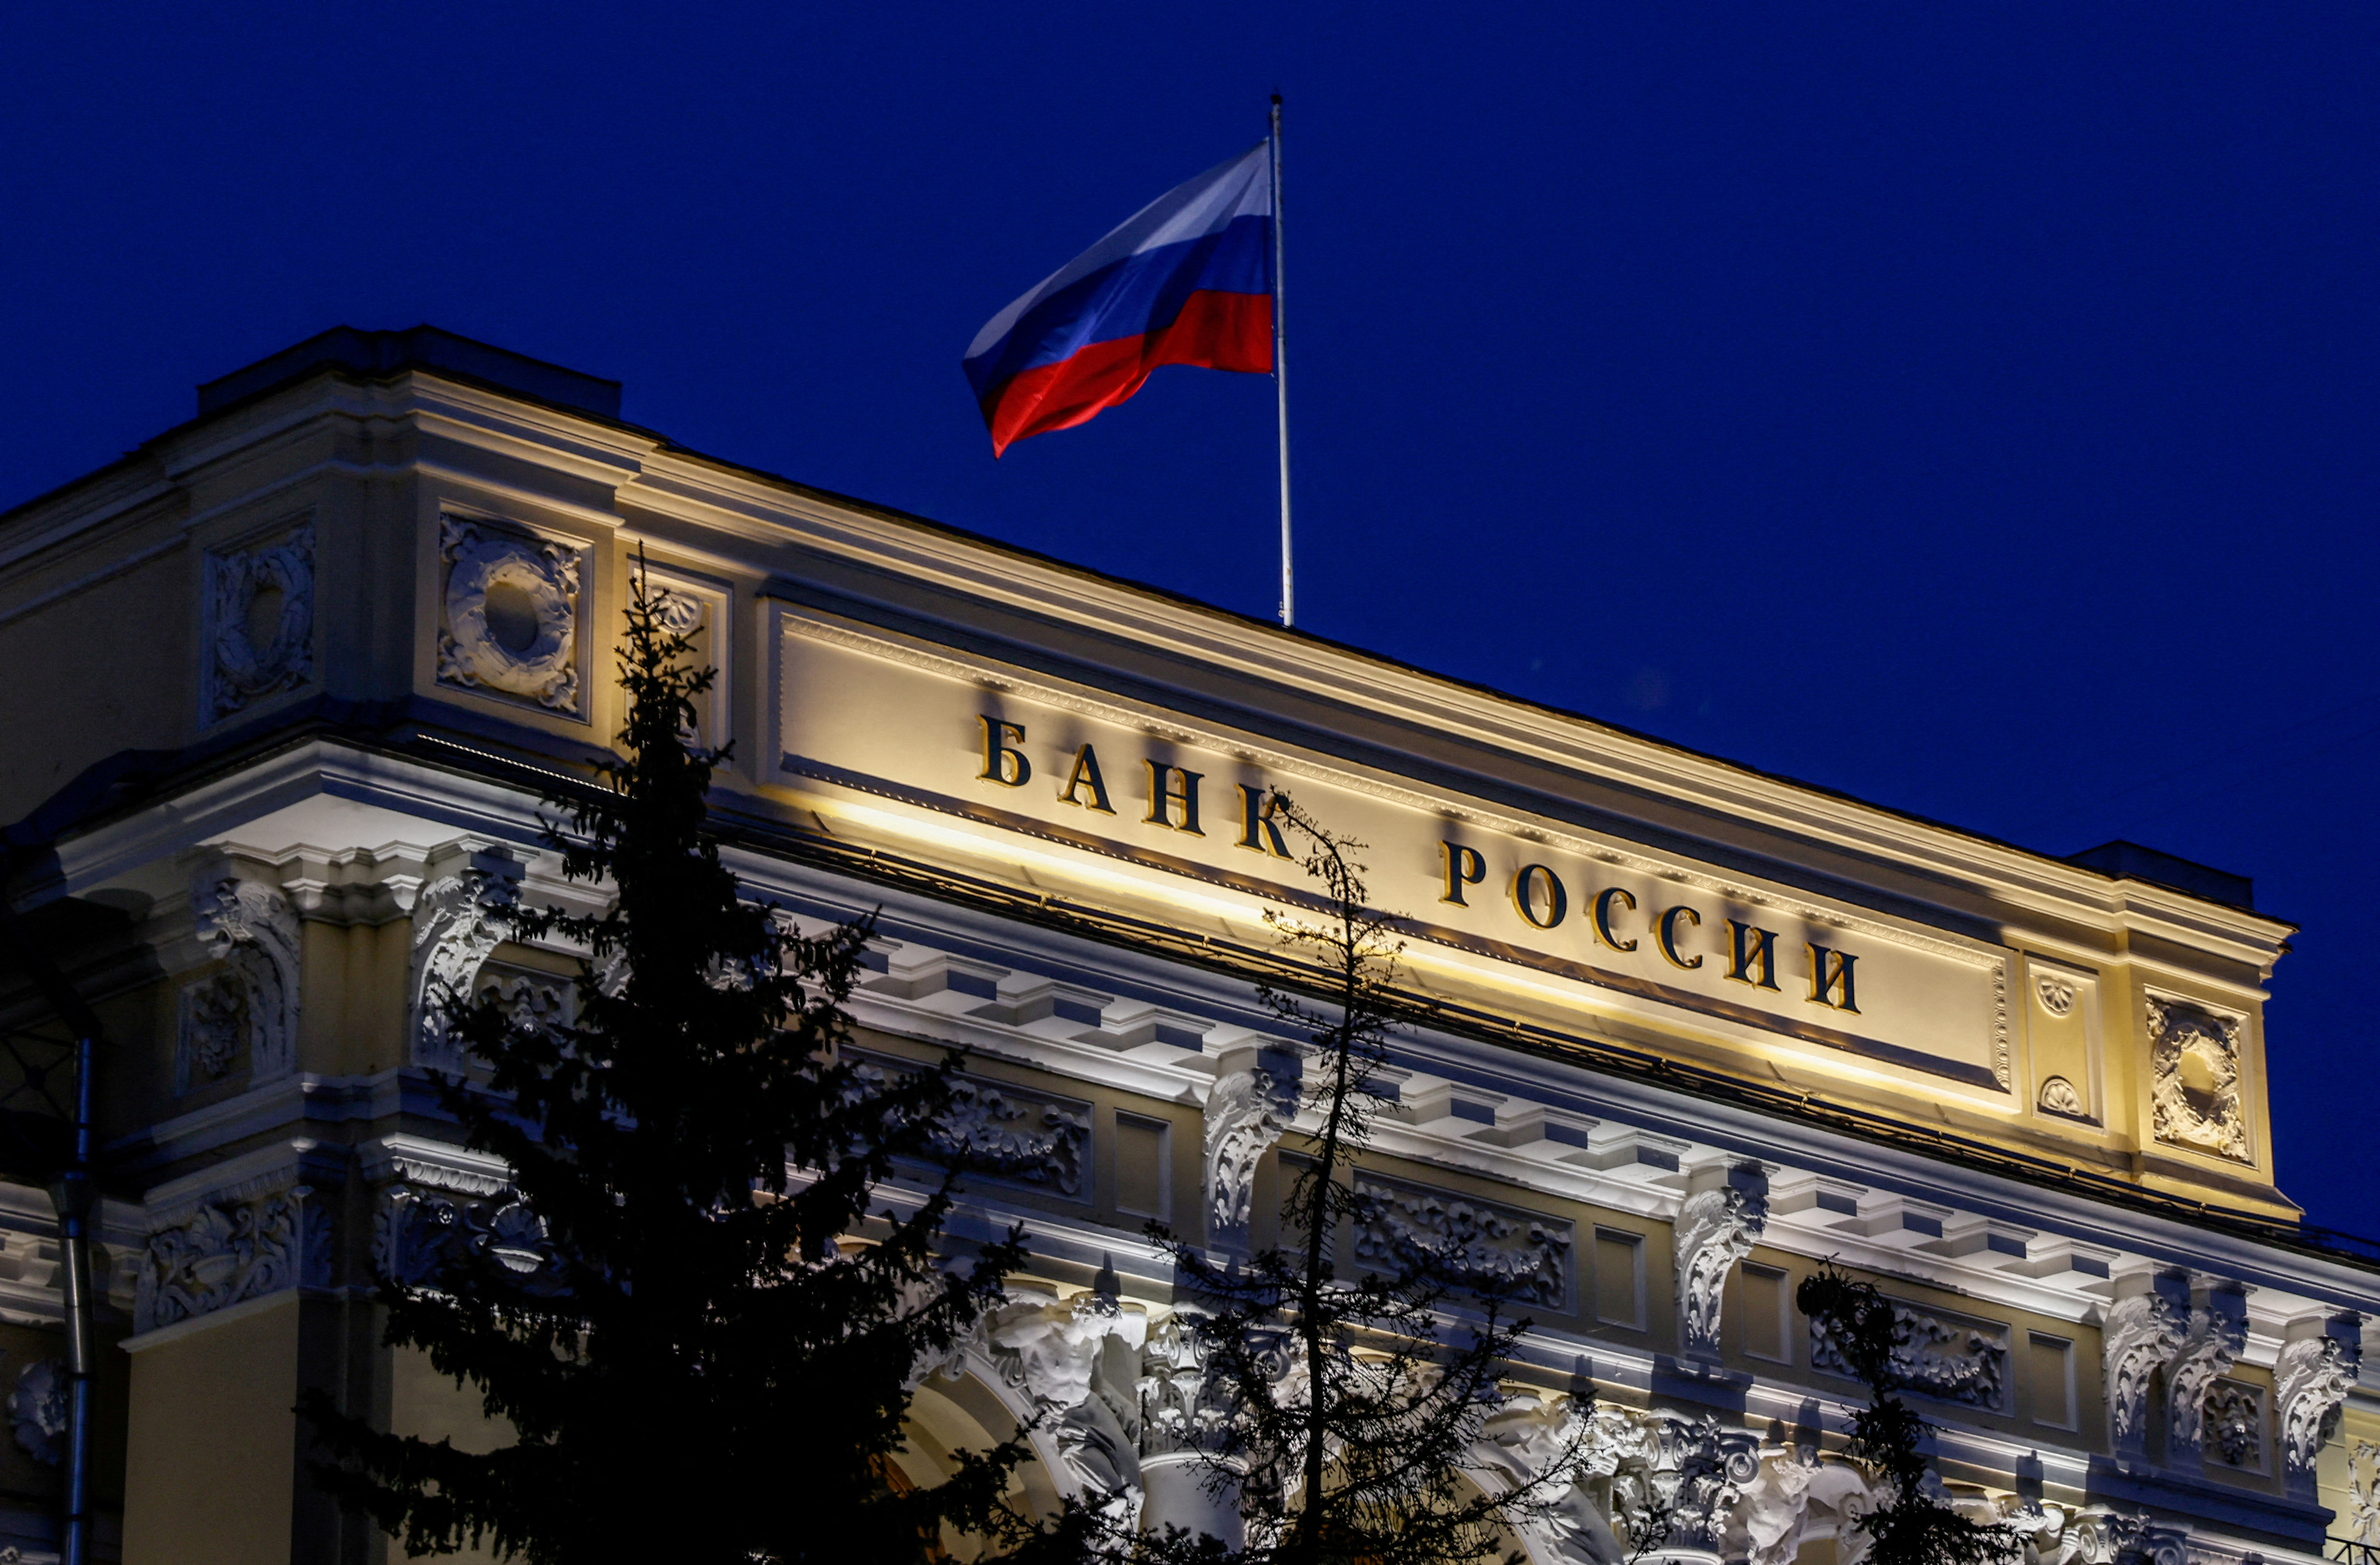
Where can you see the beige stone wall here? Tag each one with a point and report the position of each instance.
(211, 1452)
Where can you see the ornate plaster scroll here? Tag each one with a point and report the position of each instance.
(510, 614)
(2218, 1330)
(1246, 1111)
(1935, 1355)
(231, 1248)
(1716, 1228)
(2312, 1376)
(2141, 1333)
(1477, 1243)
(251, 929)
(457, 922)
(2194, 1080)
(1056, 1351)
(260, 622)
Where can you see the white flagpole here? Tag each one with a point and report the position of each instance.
(1281, 377)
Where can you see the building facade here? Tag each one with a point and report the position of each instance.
(286, 685)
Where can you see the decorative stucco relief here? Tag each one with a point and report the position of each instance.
(1012, 1133)
(2194, 1082)
(457, 922)
(1714, 1228)
(1950, 1359)
(2363, 1493)
(1056, 1351)
(2234, 1426)
(36, 1409)
(1246, 1111)
(1522, 1255)
(510, 620)
(2141, 1334)
(2217, 1330)
(2313, 1376)
(251, 1004)
(231, 1248)
(259, 621)
(2056, 994)
(2059, 1096)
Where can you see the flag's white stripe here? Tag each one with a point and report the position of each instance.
(1241, 186)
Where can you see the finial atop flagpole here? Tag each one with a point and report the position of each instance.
(1281, 377)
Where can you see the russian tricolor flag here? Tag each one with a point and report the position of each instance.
(1187, 280)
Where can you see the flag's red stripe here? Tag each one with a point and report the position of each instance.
(1215, 331)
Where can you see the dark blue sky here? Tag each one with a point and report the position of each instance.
(1971, 408)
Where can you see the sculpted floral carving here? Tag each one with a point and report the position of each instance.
(36, 1409)
(2056, 994)
(511, 614)
(229, 1251)
(2312, 1377)
(251, 929)
(2194, 1061)
(2364, 1492)
(1714, 1228)
(1950, 1360)
(2218, 1330)
(2141, 1334)
(456, 924)
(1010, 1133)
(2234, 1424)
(1246, 1112)
(259, 621)
(1488, 1246)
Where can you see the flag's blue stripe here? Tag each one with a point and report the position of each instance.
(1140, 294)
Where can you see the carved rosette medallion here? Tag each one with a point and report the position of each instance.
(510, 620)
(260, 622)
(2059, 1096)
(2194, 1083)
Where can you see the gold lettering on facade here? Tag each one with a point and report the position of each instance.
(1003, 764)
(1258, 829)
(1603, 905)
(1666, 936)
(1537, 891)
(1831, 970)
(1751, 955)
(1086, 774)
(1170, 786)
(1534, 883)
(1464, 866)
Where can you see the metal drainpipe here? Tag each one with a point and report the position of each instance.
(71, 1193)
